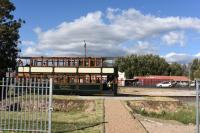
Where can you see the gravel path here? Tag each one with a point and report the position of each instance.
(119, 119)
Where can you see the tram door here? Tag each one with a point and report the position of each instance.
(108, 82)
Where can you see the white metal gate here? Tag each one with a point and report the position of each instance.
(25, 105)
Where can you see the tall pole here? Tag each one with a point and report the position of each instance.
(85, 47)
(197, 106)
(189, 73)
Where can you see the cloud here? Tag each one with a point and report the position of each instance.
(178, 57)
(142, 48)
(197, 55)
(37, 30)
(174, 37)
(106, 33)
(31, 51)
(28, 43)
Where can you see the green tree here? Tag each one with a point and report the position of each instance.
(196, 73)
(195, 68)
(142, 65)
(176, 69)
(9, 36)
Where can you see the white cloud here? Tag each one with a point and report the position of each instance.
(197, 55)
(142, 48)
(28, 43)
(174, 37)
(31, 51)
(105, 33)
(178, 57)
(37, 30)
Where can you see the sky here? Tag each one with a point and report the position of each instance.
(169, 28)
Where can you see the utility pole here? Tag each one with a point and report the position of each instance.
(197, 106)
(85, 47)
(189, 73)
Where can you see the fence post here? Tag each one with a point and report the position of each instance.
(197, 106)
(50, 104)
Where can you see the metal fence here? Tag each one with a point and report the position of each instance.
(25, 105)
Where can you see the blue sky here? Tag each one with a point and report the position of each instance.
(111, 28)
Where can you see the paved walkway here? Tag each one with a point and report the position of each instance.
(119, 120)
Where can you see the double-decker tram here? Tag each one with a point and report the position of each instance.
(72, 75)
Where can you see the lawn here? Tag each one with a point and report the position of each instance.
(81, 116)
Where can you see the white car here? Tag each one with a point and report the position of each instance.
(182, 84)
(165, 84)
(192, 84)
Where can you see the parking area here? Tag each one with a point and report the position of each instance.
(168, 92)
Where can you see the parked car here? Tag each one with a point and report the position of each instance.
(192, 84)
(164, 84)
(174, 83)
(182, 84)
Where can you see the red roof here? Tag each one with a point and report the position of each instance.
(175, 78)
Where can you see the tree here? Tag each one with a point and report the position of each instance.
(176, 69)
(196, 73)
(9, 36)
(194, 68)
(142, 65)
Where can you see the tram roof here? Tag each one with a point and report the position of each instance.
(61, 57)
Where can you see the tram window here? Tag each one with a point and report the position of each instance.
(92, 62)
(60, 63)
(76, 63)
(98, 80)
(55, 63)
(50, 63)
(72, 80)
(81, 80)
(39, 63)
(98, 63)
(80, 63)
(87, 79)
(72, 63)
(86, 62)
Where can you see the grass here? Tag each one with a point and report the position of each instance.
(184, 114)
(76, 119)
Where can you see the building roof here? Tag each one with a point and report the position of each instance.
(156, 77)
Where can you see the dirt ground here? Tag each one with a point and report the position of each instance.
(164, 126)
(156, 106)
(156, 91)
